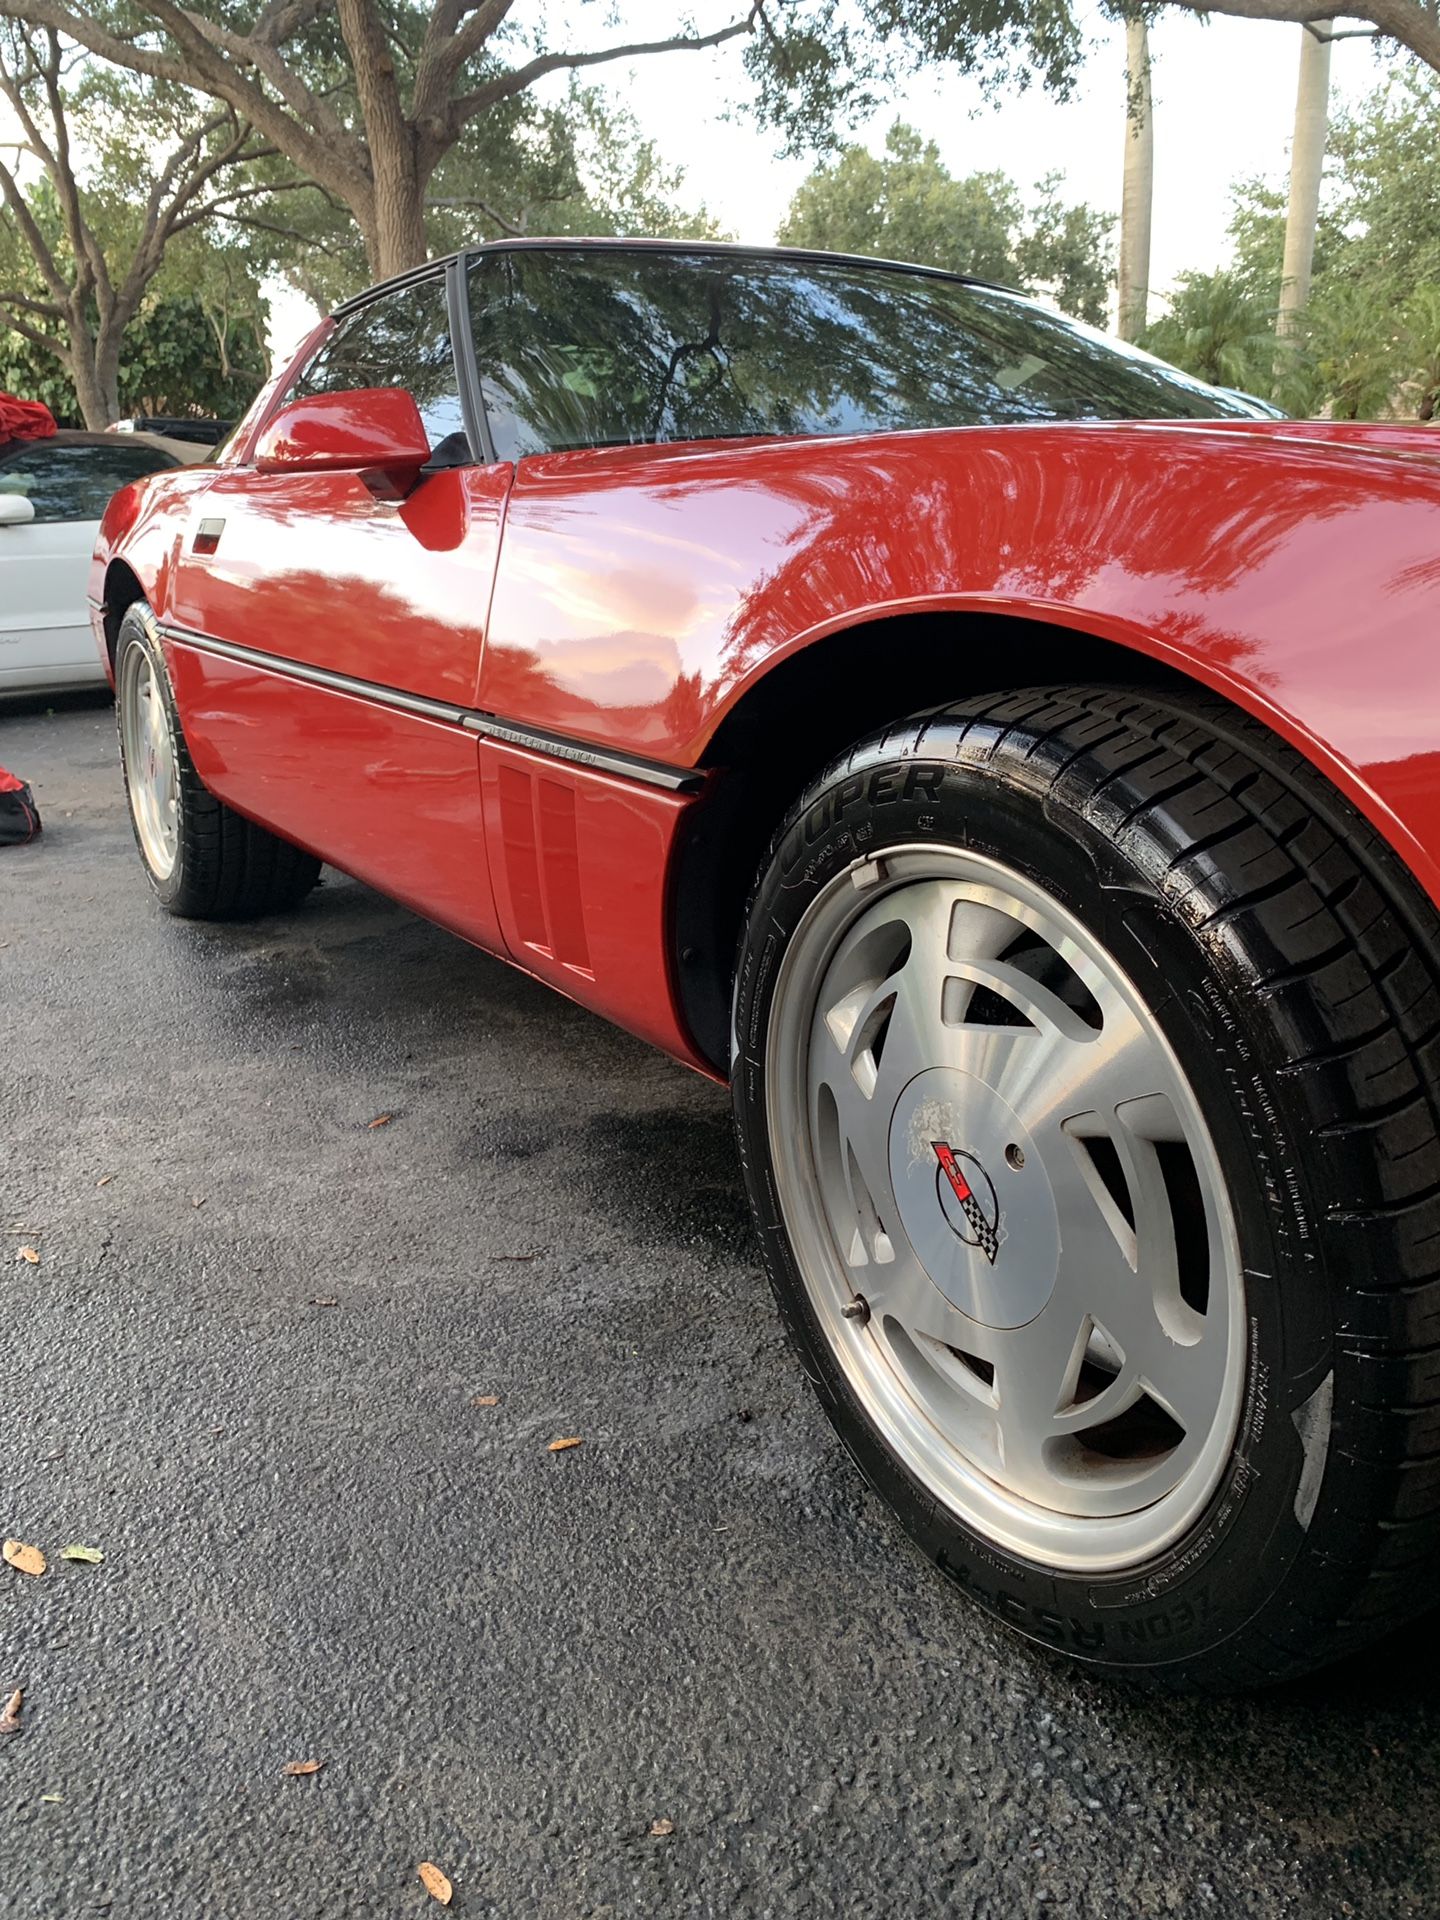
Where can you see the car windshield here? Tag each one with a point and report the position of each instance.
(582, 348)
(70, 480)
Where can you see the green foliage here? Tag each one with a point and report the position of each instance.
(1346, 357)
(1368, 344)
(172, 364)
(581, 166)
(906, 205)
(1219, 329)
(816, 65)
(1385, 158)
(1257, 234)
(32, 373)
(1420, 337)
(1067, 250)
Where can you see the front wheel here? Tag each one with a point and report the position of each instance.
(1082, 1094)
(204, 860)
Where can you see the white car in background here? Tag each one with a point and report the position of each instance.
(52, 494)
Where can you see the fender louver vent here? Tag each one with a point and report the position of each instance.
(542, 865)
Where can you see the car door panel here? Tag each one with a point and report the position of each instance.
(44, 635)
(388, 796)
(45, 638)
(314, 568)
(373, 610)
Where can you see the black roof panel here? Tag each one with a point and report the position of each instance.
(722, 249)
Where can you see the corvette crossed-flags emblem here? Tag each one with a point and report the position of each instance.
(985, 1230)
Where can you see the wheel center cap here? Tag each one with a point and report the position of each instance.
(974, 1197)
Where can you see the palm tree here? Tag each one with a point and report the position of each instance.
(1307, 162)
(1215, 328)
(1139, 182)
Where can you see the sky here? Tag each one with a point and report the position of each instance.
(1224, 108)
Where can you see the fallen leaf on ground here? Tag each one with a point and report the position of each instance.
(326, 1301)
(10, 1718)
(436, 1885)
(23, 1558)
(380, 1120)
(301, 1767)
(486, 1400)
(104, 1179)
(560, 1446)
(92, 1556)
(200, 1200)
(29, 1255)
(660, 1828)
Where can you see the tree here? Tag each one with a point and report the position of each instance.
(1367, 341)
(1137, 193)
(1413, 25)
(1420, 340)
(577, 165)
(1257, 236)
(1386, 195)
(1307, 163)
(906, 205)
(1349, 358)
(1065, 249)
(170, 366)
(366, 100)
(1217, 329)
(80, 248)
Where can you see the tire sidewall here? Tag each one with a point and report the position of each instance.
(1231, 1564)
(138, 631)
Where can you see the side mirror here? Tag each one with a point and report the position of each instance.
(372, 428)
(16, 510)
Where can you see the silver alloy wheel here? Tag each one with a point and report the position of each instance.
(1006, 1208)
(150, 772)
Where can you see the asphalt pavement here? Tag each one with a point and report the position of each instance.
(303, 1193)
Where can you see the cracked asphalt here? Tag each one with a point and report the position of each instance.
(245, 1369)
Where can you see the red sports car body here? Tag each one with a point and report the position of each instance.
(557, 694)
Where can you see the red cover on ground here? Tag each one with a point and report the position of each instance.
(24, 419)
(8, 782)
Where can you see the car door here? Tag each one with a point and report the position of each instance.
(325, 636)
(45, 637)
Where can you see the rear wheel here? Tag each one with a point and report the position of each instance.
(204, 861)
(1085, 1082)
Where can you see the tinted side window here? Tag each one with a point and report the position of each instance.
(400, 340)
(609, 348)
(75, 483)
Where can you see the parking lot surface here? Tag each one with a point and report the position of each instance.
(302, 1193)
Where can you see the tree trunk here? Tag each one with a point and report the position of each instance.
(1138, 184)
(395, 229)
(97, 409)
(1307, 163)
(398, 238)
(107, 369)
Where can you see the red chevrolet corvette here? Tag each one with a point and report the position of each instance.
(1011, 767)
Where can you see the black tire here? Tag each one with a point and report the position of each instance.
(226, 867)
(1294, 968)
